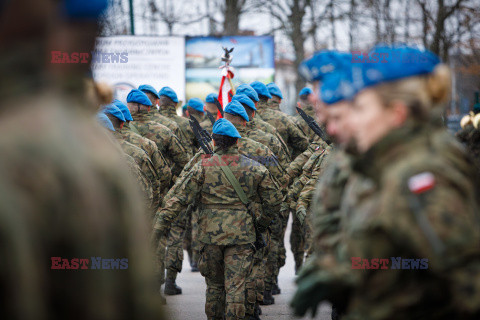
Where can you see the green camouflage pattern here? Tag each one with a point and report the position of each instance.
(184, 125)
(147, 168)
(67, 192)
(159, 162)
(379, 220)
(225, 269)
(223, 219)
(142, 181)
(167, 143)
(266, 127)
(297, 141)
(302, 124)
(155, 115)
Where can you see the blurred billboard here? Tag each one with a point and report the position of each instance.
(253, 59)
(158, 61)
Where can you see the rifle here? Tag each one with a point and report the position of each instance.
(313, 125)
(219, 107)
(202, 135)
(203, 140)
(210, 117)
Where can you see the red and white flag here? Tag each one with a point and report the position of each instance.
(225, 92)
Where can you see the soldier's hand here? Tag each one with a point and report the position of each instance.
(301, 215)
(310, 292)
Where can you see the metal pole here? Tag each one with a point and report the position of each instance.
(132, 25)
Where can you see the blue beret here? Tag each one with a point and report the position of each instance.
(126, 113)
(337, 87)
(322, 63)
(225, 128)
(168, 92)
(236, 109)
(305, 91)
(261, 89)
(114, 111)
(138, 96)
(104, 121)
(274, 90)
(84, 9)
(196, 104)
(211, 98)
(148, 88)
(243, 99)
(248, 91)
(394, 62)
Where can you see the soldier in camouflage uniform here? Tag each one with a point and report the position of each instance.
(297, 142)
(168, 143)
(260, 284)
(141, 158)
(167, 107)
(65, 190)
(225, 227)
(258, 122)
(159, 162)
(413, 197)
(156, 116)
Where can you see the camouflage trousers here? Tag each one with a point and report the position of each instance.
(282, 252)
(159, 261)
(174, 254)
(256, 281)
(273, 259)
(308, 233)
(297, 240)
(190, 243)
(226, 269)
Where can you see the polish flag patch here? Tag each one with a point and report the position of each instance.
(421, 183)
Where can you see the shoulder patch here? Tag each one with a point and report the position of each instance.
(421, 182)
(318, 147)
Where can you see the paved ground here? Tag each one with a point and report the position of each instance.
(190, 304)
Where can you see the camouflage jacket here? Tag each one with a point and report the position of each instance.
(155, 115)
(223, 219)
(207, 125)
(261, 154)
(264, 126)
(295, 167)
(326, 201)
(142, 182)
(184, 125)
(168, 143)
(146, 166)
(310, 170)
(159, 162)
(297, 142)
(413, 198)
(66, 192)
(306, 194)
(269, 140)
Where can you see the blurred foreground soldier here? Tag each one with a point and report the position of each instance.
(412, 211)
(167, 142)
(168, 107)
(66, 193)
(226, 226)
(297, 142)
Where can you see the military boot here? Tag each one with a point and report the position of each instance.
(267, 298)
(258, 310)
(194, 266)
(171, 288)
(276, 289)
